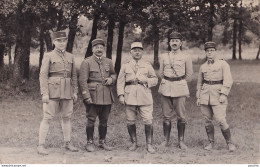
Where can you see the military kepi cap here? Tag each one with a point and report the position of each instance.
(137, 45)
(98, 41)
(175, 35)
(59, 35)
(210, 44)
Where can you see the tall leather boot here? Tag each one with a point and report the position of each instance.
(132, 133)
(90, 144)
(149, 138)
(167, 126)
(102, 136)
(227, 135)
(181, 130)
(210, 133)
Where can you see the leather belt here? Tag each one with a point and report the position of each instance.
(62, 75)
(175, 78)
(99, 80)
(213, 82)
(132, 83)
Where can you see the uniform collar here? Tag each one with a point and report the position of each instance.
(98, 58)
(59, 51)
(138, 63)
(175, 52)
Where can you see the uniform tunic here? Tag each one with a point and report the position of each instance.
(58, 77)
(92, 78)
(136, 94)
(209, 94)
(172, 66)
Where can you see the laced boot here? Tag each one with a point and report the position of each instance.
(102, 135)
(210, 133)
(70, 147)
(181, 130)
(90, 144)
(149, 136)
(132, 133)
(227, 135)
(42, 150)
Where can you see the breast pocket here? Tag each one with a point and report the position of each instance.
(179, 63)
(94, 72)
(57, 65)
(143, 71)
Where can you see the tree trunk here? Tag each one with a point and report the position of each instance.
(211, 22)
(110, 34)
(240, 26)
(9, 55)
(225, 34)
(27, 44)
(48, 41)
(72, 33)
(119, 46)
(41, 39)
(93, 34)
(18, 69)
(2, 49)
(234, 39)
(258, 53)
(60, 20)
(156, 39)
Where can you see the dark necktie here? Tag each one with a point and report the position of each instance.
(210, 61)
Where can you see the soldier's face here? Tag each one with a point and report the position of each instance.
(175, 44)
(98, 50)
(136, 53)
(211, 53)
(61, 43)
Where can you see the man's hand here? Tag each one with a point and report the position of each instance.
(122, 99)
(75, 97)
(222, 98)
(87, 101)
(45, 99)
(198, 102)
(108, 81)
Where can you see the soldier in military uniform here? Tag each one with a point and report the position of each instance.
(133, 88)
(96, 77)
(213, 86)
(58, 83)
(175, 71)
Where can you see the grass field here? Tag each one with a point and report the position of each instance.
(21, 113)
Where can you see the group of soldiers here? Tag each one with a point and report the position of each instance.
(59, 89)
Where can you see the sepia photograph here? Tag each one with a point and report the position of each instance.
(129, 82)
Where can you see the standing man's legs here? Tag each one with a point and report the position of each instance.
(103, 114)
(131, 114)
(167, 108)
(91, 113)
(179, 107)
(66, 107)
(49, 110)
(220, 115)
(207, 113)
(146, 113)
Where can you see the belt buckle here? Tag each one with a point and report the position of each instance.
(135, 82)
(211, 82)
